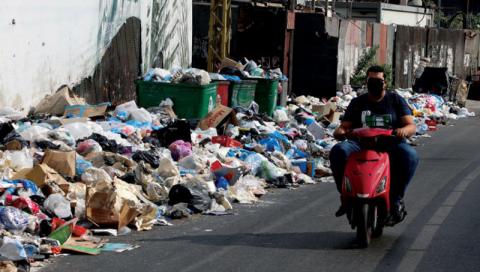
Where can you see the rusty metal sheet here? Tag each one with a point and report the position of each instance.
(351, 45)
(472, 46)
(410, 46)
(380, 41)
(390, 44)
(446, 48)
(369, 35)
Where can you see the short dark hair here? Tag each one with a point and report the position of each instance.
(376, 69)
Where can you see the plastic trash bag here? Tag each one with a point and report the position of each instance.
(198, 200)
(107, 144)
(271, 144)
(93, 175)
(127, 108)
(191, 162)
(78, 130)
(147, 157)
(62, 135)
(12, 249)
(13, 219)
(178, 130)
(58, 205)
(269, 171)
(22, 203)
(199, 135)
(253, 162)
(20, 159)
(81, 165)
(301, 144)
(44, 145)
(180, 149)
(280, 116)
(34, 133)
(141, 115)
(29, 188)
(88, 146)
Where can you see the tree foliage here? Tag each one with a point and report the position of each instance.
(368, 59)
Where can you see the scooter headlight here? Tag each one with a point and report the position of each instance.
(381, 185)
(348, 186)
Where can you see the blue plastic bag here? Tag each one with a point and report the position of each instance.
(81, 165)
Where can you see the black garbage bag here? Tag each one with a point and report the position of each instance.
(105, 143)
(5, 129)
(198, 200)
(152, 141)
(285, 181)
(178, 130)
(12, 137)
(147, 157)
(46, 145)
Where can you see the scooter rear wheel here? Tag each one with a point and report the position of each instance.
(365, 216)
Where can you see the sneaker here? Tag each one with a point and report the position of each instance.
(341, 211)
(397, 213)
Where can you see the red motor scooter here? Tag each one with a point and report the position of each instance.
(366, 184)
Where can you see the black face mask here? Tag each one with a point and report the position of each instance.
(375, 86)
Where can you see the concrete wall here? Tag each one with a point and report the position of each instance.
(45, 44)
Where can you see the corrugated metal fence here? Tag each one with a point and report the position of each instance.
(355, 38)
(403, 47)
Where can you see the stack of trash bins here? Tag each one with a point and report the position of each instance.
(72, 172)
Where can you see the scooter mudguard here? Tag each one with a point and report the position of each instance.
(364, 173)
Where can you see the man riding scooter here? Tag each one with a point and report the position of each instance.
(381, 109)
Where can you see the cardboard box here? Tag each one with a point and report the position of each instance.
(85, 111)
(219, 116)
(226, 62)
(63, 162)
(100, 207)
(42, 175)
(324, 109)
(55, 104)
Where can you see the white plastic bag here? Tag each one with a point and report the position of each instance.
(58, 205)
(78, 130)
(141, 115)
(20, 159)
(34, 133)
(94, 175)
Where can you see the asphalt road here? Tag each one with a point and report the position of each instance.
(295, 230)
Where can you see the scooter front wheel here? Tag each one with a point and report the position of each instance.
(364, 213)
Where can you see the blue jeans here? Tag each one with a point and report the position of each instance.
(403, 162)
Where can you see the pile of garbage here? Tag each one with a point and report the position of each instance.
(228, 70)
(431, 110)
(71, 172)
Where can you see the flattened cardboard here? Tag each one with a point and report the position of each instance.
(324, 109)
(78, 111)
(217, 116)
(55, 104)
(62, 162)
(41, 174)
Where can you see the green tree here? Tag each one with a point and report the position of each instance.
(368, 59)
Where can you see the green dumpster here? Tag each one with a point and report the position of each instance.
(266, 95)
(189, 101)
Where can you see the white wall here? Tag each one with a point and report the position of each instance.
(405, 18)
(47, 43)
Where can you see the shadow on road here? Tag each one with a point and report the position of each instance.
(311, 240)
